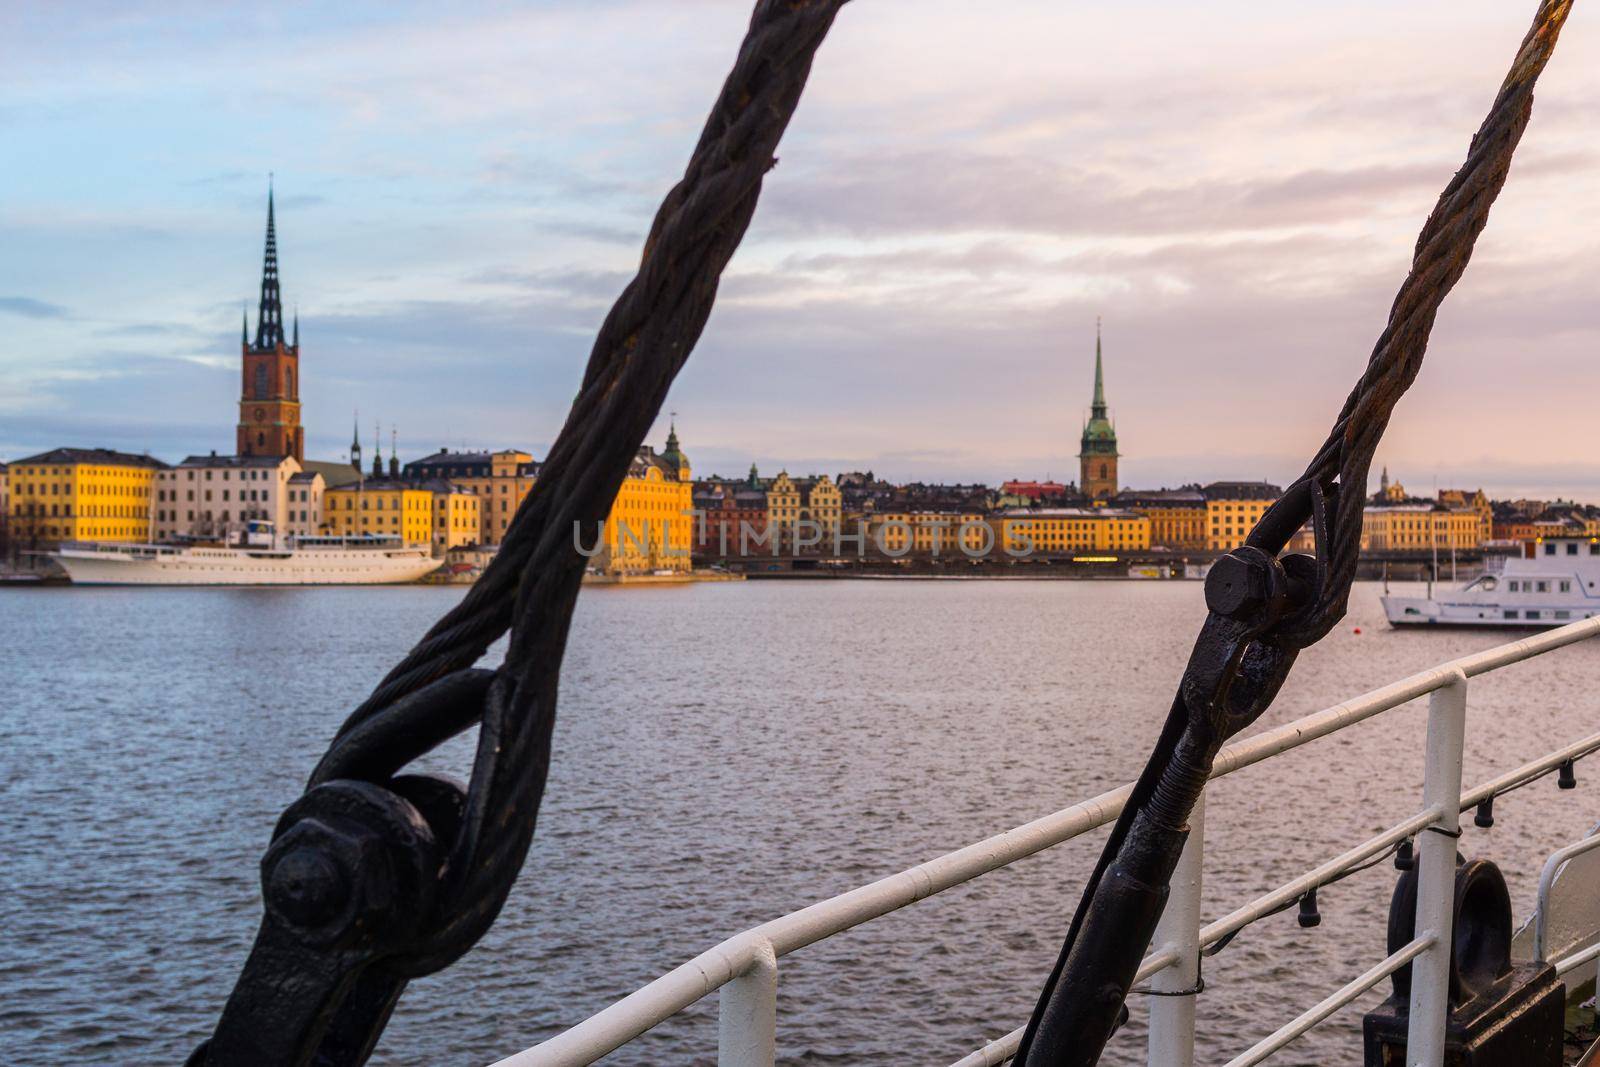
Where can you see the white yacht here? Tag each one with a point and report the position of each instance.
(260, 558)
(1556, 583)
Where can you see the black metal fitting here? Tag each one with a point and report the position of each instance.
(1245, 584)
(1568, 778)
(1483, 818)
(349, 882)
(1405, 856)
(1309, 915)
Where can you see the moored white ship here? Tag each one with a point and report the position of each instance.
(1557, 584)
(261, 559)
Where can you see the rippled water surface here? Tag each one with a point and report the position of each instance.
(724, 753)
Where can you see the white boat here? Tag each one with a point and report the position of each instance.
(1558, 583)
(260, 559)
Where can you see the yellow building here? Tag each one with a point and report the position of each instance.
(499, 481)
(5, 508)
(1420, 527)
(651, 525)
(1177, 516)
(791, 501)
(380, 506)
(1023, 532)
(457, 520)
(928, 533)
(1233, 509)
(81, 494)
(1475, 499)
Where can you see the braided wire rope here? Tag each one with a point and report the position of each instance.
(1061, 1031)
(531, 586)
(1443, 250)
(641, 346)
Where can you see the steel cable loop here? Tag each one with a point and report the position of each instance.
(532, 584)
(1444, 248)
(529, 588)
(704, 215)
(1070, 1024)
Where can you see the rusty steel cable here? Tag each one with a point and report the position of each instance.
(1263, 610)
(338, 943)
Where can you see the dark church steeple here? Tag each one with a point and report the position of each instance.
(269, 394)
(269, 316)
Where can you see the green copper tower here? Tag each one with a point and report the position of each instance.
(1097, 449)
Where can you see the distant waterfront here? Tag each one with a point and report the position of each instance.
(725, 752)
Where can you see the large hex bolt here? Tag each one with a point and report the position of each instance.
(1241, 584)
(304, 880)
(317, 875)
(350, 858)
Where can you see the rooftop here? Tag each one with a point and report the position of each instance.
(1068, 513)
(213, 461)
(1242, 491)
(101, 456)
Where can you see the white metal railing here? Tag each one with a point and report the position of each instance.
(745, 966)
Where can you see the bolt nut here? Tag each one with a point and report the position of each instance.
(1238, 587)
(307, 886)
(315, 877)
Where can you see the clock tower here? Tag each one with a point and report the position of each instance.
(269, 395)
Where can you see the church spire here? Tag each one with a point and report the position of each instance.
(296, 343)
(1097, 452)
(269, 317)
(1098, 406)
(355, 442)
(244, 325)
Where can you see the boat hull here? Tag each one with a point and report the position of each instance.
(239, 568)
(1404, 611)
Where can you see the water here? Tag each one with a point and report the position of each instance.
(724, 753)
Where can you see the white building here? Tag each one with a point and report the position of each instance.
(212, 496)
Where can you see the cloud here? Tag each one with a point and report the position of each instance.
(1235, 192)
(29, 308)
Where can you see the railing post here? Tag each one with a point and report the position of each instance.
(1436, 874)
(1171, 1039)
(747, 1014)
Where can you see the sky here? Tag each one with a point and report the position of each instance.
(1235, 188)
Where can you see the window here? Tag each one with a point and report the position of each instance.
(1511, 614)
(1516, 587)
(261, 381)
(1572, 549)
(1543, 587)
(1549, 550)
(1566, 587)
(1532, 615)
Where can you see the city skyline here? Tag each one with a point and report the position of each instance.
(462, 222)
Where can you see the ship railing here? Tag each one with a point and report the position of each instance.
(744, 968)
(120, 548)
